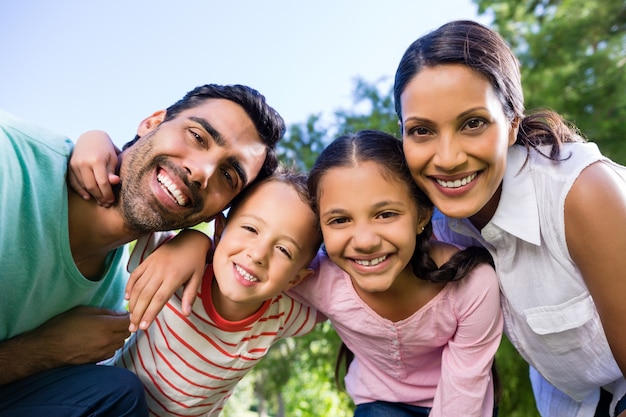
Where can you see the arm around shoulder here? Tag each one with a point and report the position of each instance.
(162, 271)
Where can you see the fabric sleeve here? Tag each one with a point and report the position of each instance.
(444, 233)
(300, 318)
(466, 385)
(309, 290)
(145, 245)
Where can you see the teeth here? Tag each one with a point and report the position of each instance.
(457, 183)
(171, 188)
(370, 262)
(246, 275)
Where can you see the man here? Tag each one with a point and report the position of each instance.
(63, 260)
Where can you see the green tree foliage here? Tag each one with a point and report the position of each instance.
(302, 143)
(573, 59)
(375, 109)
(516, 398)
(295, 379)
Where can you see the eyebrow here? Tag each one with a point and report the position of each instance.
(460, 116)
(472, 110)
(219, 141)
(298, 247)
(377, 206)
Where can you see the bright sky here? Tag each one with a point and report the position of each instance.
(75, 65)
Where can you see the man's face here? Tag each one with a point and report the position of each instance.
(187, 169)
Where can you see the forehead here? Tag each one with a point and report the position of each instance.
(279, 205)
(272, 197)
(343, 186)
(447, 87)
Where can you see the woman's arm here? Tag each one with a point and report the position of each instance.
(595, 229)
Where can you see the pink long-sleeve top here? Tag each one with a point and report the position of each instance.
(439, 357)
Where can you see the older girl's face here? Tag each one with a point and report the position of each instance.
(456, 136)
(369, 222)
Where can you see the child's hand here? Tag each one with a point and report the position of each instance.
(181, 261)
(92, 167)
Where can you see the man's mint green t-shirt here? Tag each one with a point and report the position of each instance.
(38, 277)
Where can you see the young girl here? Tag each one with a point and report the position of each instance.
(422, 319)
(550, 208)
(190, 363)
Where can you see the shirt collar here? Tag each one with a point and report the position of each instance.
(517, 211)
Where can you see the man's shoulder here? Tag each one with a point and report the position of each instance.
(19, 133)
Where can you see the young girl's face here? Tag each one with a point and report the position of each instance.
(369, 222)
(266, 246)
(455, 137)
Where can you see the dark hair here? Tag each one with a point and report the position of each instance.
(286, 175)
(268, 123)
(485, 51)
(385, 150)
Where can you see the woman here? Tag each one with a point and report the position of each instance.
(549, 207)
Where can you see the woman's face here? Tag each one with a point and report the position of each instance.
(455, 138)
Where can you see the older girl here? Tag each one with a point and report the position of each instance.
(422, 319)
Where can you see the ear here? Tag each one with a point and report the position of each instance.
(513, 130)
(300, 276)
(150, 123)
(424, 218)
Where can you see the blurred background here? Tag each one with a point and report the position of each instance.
(327, 67)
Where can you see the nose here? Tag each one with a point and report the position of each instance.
(365, 239)
(258, 254)
(449, 153)
(201, 169)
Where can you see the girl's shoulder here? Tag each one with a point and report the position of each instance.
(441, 252)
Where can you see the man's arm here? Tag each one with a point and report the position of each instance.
(78, 336)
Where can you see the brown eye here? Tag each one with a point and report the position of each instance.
(387, 214)
(229, 178)
(419, 131)
(475, 123)
(198, 138)
(284, 251)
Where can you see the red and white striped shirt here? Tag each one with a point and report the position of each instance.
(190, 365)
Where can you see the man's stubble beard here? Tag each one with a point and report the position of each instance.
(141, 211)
